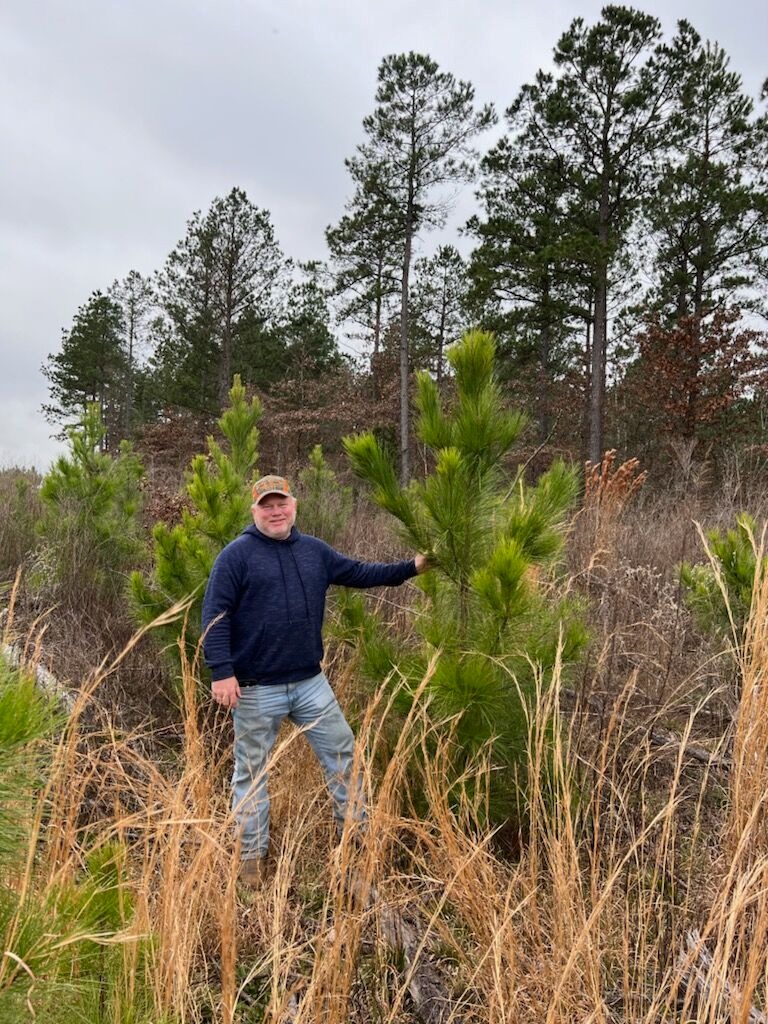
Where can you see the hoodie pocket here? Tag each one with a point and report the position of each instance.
(284, 646)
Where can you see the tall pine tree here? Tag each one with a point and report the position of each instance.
(91, 368)
(603, 114)
(707, 225)
(708, 214)
(366, 254)
(418, 144)
(218, 291)
(531, 282)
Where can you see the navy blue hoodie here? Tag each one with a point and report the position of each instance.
(270, 596)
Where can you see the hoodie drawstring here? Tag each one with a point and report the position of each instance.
(285, 585)
(301, 581)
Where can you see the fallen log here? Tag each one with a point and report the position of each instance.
(661, 737)
(47, 681)
(426, 986)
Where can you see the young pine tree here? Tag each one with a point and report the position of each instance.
(219, 489)
(720, 592)
(494, 623)
(418, 145)
(324, 503)
(90, 529)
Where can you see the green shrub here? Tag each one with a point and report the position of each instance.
(65, 936)
(61, 932)
(27, 717)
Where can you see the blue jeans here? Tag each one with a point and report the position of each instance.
(257, 718)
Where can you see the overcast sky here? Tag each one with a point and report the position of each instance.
(119, 118)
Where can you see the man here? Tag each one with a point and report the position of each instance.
(262, 621)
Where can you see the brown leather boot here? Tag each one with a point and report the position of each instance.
(253, 872)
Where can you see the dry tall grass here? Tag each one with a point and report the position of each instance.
(748, 820)
(639, 894)
(621, 906)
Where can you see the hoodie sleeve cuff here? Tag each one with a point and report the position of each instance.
(225, 671)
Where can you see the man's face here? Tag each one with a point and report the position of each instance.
(274, 515)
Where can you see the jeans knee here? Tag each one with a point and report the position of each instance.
(333, 731)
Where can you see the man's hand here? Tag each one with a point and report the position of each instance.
(226, 692)
(423, 563)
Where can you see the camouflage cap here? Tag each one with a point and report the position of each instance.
(271, 485)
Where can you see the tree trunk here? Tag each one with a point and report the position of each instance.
(441, 337)
(225, 366)
(405, 361)
(375, 368)
(106, 438)
(588, 325)
(694, 382)
(692, 398)
(597, 371)
(377, 309)
(405, 425)
(545, 355)
(128, 414)
(225, 356)
(599, 334)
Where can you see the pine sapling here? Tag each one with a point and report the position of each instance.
(90, 529)
(491, 609)
(720, 592)
(219, 488)
(324, 503)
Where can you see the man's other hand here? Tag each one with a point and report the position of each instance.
(226, 692)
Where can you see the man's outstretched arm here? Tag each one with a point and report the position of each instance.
(349, 572)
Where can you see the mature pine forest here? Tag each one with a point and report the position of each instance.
(562, 724)
(617, 250)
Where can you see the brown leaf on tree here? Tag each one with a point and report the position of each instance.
(690, 374)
